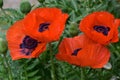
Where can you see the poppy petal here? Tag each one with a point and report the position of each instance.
(17, 45)
(116, 36)
(100, 27)
(82, 51)
(46, 23)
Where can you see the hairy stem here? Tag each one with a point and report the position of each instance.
(52, 63)
(8, 67)
(82, 74)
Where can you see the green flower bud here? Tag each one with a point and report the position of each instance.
(1, 3)
(3, 46)
(41, 1)
(25, 7)
(73, 29)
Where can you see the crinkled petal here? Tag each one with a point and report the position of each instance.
(15, 37)
(90, 54)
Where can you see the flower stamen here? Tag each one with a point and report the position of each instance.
(76, 51)
(28, 45)
(102, 29)
(43, 27)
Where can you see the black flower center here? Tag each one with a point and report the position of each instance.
(28, 45)
(43, 26)
(102, 29)
(76, 51)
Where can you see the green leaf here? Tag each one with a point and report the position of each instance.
(35, 78)
(32, 73)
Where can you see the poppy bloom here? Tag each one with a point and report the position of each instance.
(100, 27)
(117, 24)
(21, 45)
(47, 24)
(82, 51)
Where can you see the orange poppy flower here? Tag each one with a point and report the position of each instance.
(100, 27)
(82, 51)
(47, 24)
(21, 45)
(117, 24)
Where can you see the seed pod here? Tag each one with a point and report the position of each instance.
(73, 29)
(1, 3)
(25, 7)
(3, 46)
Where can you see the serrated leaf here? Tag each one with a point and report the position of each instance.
(32, 73)
(35, 78)
(30, 67)
(74, 5)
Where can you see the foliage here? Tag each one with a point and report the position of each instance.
(40, 68)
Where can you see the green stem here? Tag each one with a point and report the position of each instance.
(26, 77)
(52, 63)
(99, 71)
(9, 68)
(3, 11)
(82, 74)
(61, 38)
(6, 69)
